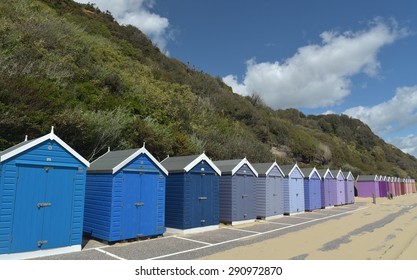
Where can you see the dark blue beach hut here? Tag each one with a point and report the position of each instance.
(192, 194)
(237, 191)
(327, 188)
(42, 188)
(349, 187)
(340, 187)
(293, 189)
(312, 192)
(125, 196)
(269, 202)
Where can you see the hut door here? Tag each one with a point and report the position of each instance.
(202, 207)
(297, 195)
(328, 191)
(276, 196)
(58, 215)
(43, 208)
(242, 206)
(131, 206)
(148, 188)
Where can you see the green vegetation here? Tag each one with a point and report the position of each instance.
(101, 84)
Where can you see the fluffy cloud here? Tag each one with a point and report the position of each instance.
(318, 75)
(407, 144)
(137, 13)
(393, 115)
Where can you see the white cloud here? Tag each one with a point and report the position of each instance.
(407, 144)
(329, 112)
(395, 114)
(138, 13)
(318, 75)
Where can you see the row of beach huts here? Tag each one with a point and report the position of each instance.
(384, 186)
(50, 195)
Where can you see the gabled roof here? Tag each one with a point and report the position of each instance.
(26, 145)
(365, 178)
(323, 173)
(337, 172)
(230, 167)
(308, 172)
(348, 174)
(264, 168)
(186, 163)
(288, 169)
(113, 161)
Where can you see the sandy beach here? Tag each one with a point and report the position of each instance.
(386, 230)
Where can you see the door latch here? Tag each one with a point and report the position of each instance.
(41, 242)
(43, 204)
(138, 204)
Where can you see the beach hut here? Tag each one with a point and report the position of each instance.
(237, 191)
(293, 189)
(312, 192)
(397, 186)
(191, 194)
(391, 186)
(340, 187)
(383, 186)
(269, 200)
(349, 187)
(407, 180)
(402, 186)
(125, 196)
(408, 186)
(413, 186)
(367, 185)
(327, 188)
(42, 189)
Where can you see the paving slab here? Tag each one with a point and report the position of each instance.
(217, 236)
(264, 226)
(91, 254)
(141, 250)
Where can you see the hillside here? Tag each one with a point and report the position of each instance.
(101, 84)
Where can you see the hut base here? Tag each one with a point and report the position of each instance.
(270, 217)
(294, 213)
(327, 207)
(191, 230)
(241, 222)
(41, 253)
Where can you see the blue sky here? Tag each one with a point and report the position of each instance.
(352, 57)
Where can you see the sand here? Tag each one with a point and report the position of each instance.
(386, 230)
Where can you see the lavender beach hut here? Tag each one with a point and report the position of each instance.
(340, 187)
(349, 187)
(367, 185)
(327, 188)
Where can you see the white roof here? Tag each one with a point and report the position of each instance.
(26, 145)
